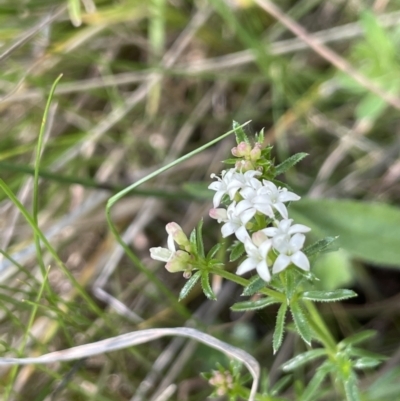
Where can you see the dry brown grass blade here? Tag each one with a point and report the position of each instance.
(328, 54)
(141, 337)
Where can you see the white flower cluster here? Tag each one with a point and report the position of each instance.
(279, 245)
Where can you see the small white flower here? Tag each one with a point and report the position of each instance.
(233, 224)
(221, 185)
(164, 254)
(289, 252)
(270, 193)
(284, 229)
(244, 180)
(253, 203)
(256, 259)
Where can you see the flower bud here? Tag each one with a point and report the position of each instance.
(176, 232)
(255, 153)
(218, 214)
(179, 262)
(258, 238)
(242, 150)
(244, 165)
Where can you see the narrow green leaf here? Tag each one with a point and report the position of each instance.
(328, 296)
(74, 8)
(199, 239)
(366, 363)
(351, 388)
(363, 353)
(232, 160)
(300, 320)
(189, 285)
(288, 163)
(213, 251)
(260, 137)
(256, 283)
(237, 250)
(316, 381)
(193, 241)
(253, 305)
(239, 132)
(320, 246)
(359, 337)
(280, 385)
(302, 359)
(290, 283)
(279, 327)
(205, 285)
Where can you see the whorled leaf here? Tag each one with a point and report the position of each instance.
(189, 285)
(328, 296)
(205, 285)
(288, 163)
(253, 305)
(302, 359)
(279, 328)
(256, 284)
(301, 323)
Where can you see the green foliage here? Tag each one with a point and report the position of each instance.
(253, 305)
(288, 163)
(328, 296)
(189, 285)
(256, 284)
(302, 359)
(237, 250)
(359, 225)
(239, 133)
(279, 328)
(205, 285)
(300, 320)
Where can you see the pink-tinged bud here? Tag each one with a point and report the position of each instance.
(234, 151)
(244, 165)
(176, 232)
(255, 153)
(258, 238)
(179, 262)
(243, 149)
(218, 214)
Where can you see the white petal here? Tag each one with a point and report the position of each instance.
(161, 254)
(242, 206)
(215, 186)
(263, 271)
(299, 228)
(297, 242)
(281, 208)
(170, 243)
(242, 234)
(270, 231)
(264, 209)
(247, 215)
(264, 248)
(217, 198)
(284, 225)
(300, 260)
(245, 267)
(228, 229)
(281, 263)
(286, 196)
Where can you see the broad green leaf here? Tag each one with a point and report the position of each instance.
(301, 323)
(205, 285)
(328, 296)
(199, 239)
(316, 381)
(288, 163)
(302, 359)
(358, 337)
(253, 305)
(279, 327)
(368, 231)
(213, 251)
(321, 245)
(237, 250)
(334, 270)
(239, 132)
(189, 285)
(256, 283)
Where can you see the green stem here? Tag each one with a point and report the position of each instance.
(244, 283)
